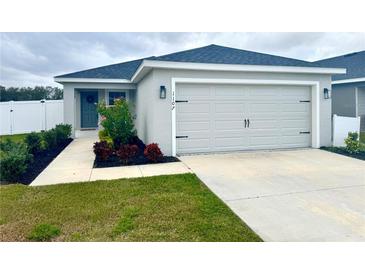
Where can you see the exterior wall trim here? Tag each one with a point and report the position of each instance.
(315, 100)
(147, 65)
(354, 80)
(91, 80)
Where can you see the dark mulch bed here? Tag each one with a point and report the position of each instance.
(114, 161)
(343, 151)
(40, 162)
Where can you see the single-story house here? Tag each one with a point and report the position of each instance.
(348, 90)
(211, 99)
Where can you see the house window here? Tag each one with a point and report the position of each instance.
(112, 95)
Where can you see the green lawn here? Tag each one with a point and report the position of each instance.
(161, 208)
(15, 137)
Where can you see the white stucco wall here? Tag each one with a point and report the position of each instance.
(154, 123)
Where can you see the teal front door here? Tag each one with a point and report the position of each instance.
(89, 115)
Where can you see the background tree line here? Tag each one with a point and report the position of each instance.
(30, 93)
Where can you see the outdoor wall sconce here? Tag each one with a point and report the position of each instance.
(162, 92)
(326, 93)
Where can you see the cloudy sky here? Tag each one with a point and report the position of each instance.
(29, 59)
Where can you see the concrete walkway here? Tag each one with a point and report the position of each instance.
(75, 164)
(294, 195)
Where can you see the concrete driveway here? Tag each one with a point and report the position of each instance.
(297, 195)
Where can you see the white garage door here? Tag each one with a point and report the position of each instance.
(213, 118)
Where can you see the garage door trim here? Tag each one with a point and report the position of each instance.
(313, 84)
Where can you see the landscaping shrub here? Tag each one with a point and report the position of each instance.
(6, 145)
(63, 132)
(134, 140)
(127, 152)
(117, 121)
(103, 136)
(34, 142)
(50, 138)
(44, 232)
(153, 153)
(14, 160)
(352, 143)
(102, 150)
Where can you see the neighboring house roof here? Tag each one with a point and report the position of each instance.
(212, 54)
(353, 62)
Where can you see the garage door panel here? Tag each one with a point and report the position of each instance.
(264, 123)
(213, 118)
(230, 92)
(295, 107)
(270, 140)
(193, 107)
(193, 145)
(228, 117)
(193, 92)
(296, 93)
(229, 107)
(227, 124)
(298, 124)
(193, 126)
(196, 117)
(263, 107)
(263, 91)
(295, 140)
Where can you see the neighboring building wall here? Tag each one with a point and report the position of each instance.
(361, 106)
(72, 99)
(154, 121)
(344, 100)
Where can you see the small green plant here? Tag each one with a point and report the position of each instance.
(352, 142)
(50, 138)
(14, 160)
(63, 132)
(33, 141)
(103, 136)
(117, 121)
(44, 233)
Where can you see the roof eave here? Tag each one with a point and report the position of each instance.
(147, 65)
(346, 81)
(91, 80)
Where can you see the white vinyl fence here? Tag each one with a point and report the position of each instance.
(26, 116)
(342, 126)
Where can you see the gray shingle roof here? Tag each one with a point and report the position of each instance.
(116, 71)
(353, 62)
(212, 54)
(215, 54)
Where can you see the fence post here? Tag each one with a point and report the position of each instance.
(11, 110)
(43, 114)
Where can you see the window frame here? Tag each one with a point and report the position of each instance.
(108, 91)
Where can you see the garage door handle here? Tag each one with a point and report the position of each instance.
(248, 123)
(245, 123)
